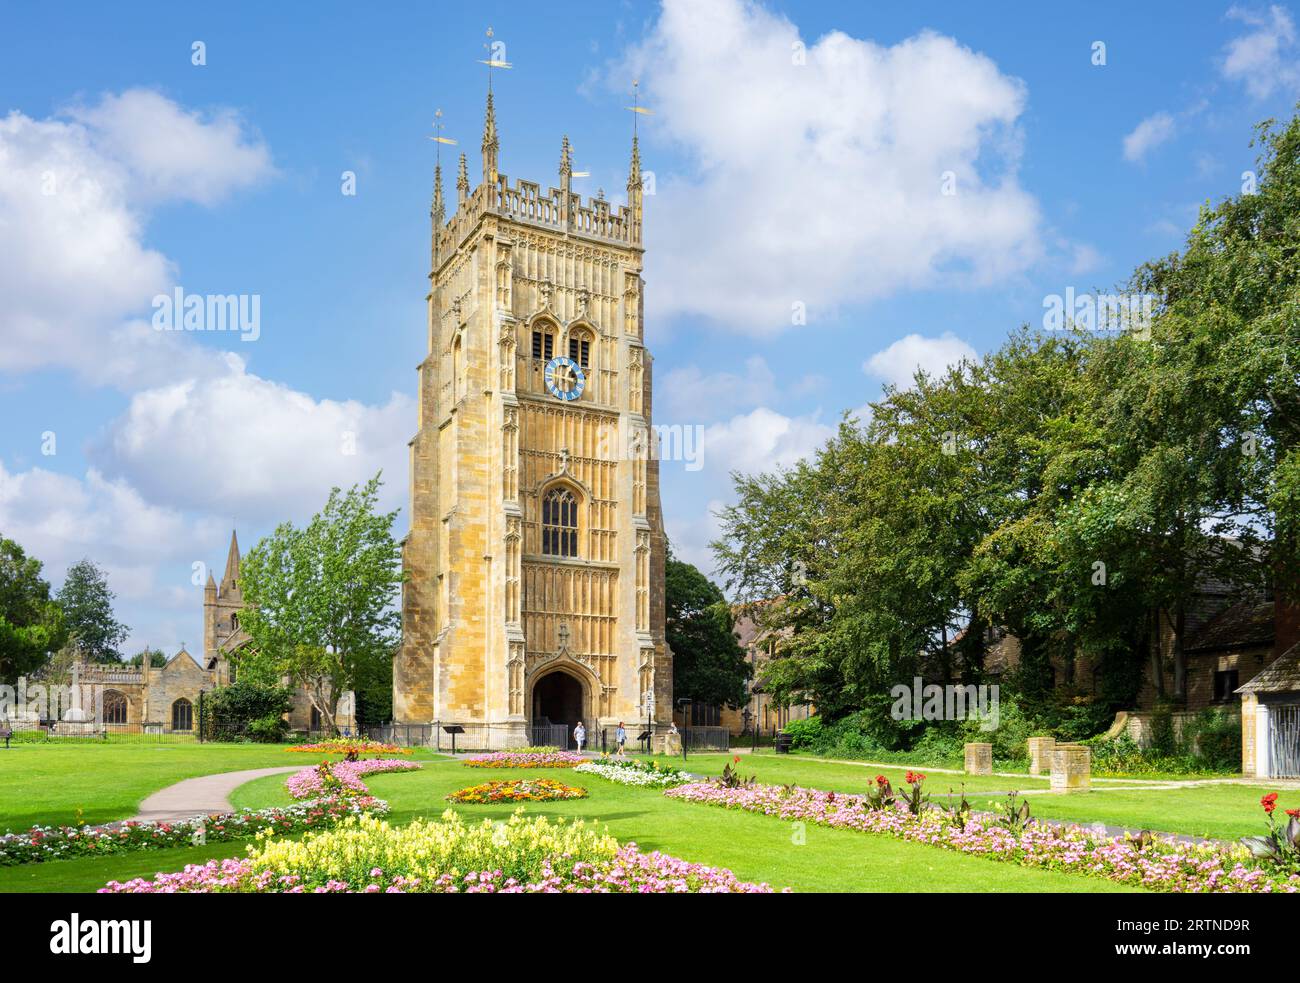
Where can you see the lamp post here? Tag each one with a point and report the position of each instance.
(649, 720)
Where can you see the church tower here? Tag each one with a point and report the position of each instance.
(535, 555)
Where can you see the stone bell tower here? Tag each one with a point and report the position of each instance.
(535, 556)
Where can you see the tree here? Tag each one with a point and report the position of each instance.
(157, 658)
(31, 622)
(321, 600)
(87, 603)
(708, 664)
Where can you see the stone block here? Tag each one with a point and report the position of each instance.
(979, 759)
(1071, 768)
(1040, 754)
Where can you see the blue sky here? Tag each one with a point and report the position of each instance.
(799, 153)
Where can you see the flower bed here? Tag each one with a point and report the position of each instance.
(311, 783)
(42, 843)
(521, 856)
(352, 747)
(1153, 863)
(647, 774)
(519, 790)
(525, 758)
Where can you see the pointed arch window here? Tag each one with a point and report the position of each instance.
(182, 715)
(560, 523)
(115, 706)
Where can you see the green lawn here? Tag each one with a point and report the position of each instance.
(782, 769)
(1223, 812)
(47, 783)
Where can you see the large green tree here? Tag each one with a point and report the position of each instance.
(322, 600)
(31, 622)
(1073, 488)
(708, 664)
(87, 603)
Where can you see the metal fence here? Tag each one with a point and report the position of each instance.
(97, 733)
(706, 739)
(1284, 740)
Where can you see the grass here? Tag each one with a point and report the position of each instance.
(844, 776)
(1223, 812)
(48, 783)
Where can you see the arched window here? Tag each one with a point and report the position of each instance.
(115, 706)
(234, 622)
(315, 720)
(560, 523)
(543, 344)
(182, 715)
(580, 348)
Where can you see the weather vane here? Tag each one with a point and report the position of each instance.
(636, 108)
(490, 61)
(437, 134)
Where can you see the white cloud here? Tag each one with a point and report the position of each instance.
(898, 363)
(238, 444)
(1147, 135)
(1265, 57)
(75, 273)
(59, 519)
(762, 440)
(171, 153)
(820, 183)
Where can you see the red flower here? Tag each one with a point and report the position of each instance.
(1269, 802)
(736, 759)
(1293, 813)
(881, 779)
(915, 778)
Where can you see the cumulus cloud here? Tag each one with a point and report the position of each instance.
(819, 172)
(1265, 58)
(59, 519)
(243, 445)
(75, 192)
(899, 363)
(1156, 129)
(762, 440)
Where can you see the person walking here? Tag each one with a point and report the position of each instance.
(580, 736)
(620, 738)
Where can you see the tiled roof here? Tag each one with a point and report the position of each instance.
(1247, 624)
(1283, 676)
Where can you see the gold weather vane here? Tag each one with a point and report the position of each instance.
(491, 62)
(636, 108)
(437, 130)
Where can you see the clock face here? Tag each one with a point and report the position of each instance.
(564, 378)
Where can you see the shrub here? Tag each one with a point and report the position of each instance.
(230, 712)
(268, 730)
(805, 734)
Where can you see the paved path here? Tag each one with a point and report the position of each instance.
(201, 796)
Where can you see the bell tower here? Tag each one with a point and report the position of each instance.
(535, 554)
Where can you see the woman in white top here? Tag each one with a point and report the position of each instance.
(580, 735)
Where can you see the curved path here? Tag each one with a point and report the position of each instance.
(201, 796)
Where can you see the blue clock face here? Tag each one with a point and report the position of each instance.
(564, 378)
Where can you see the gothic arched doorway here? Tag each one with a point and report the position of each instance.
(559, 702)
